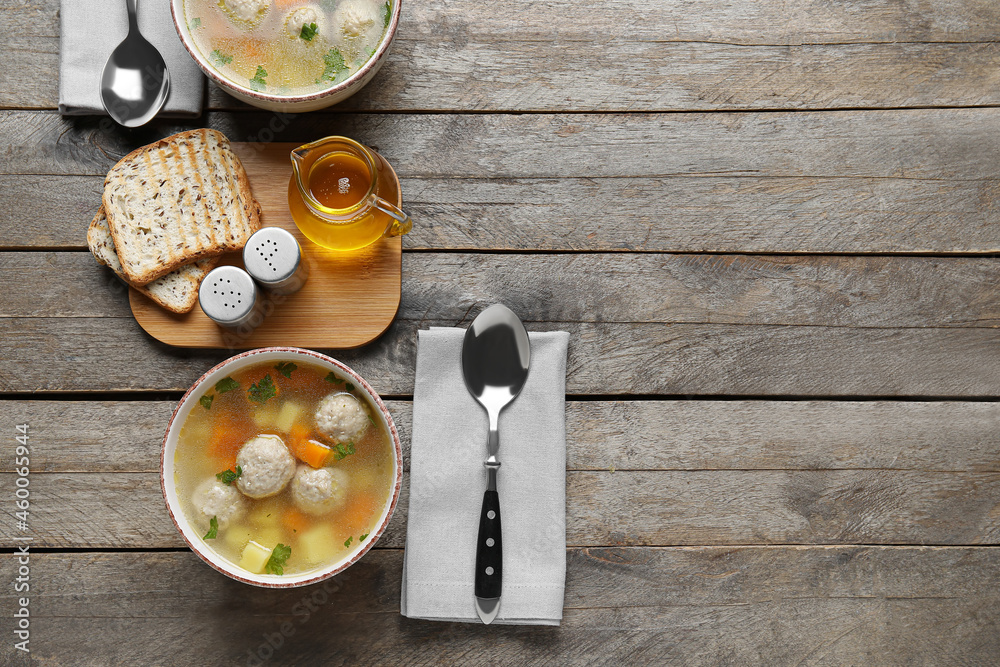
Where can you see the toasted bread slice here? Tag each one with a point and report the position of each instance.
(176, 201)
(177, 291)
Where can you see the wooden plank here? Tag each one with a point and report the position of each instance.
(631, 508)
(714, 214)
(596, 577)
(70, 204)
(632, 74)
(738, 22)
(641, 56)
(726, 289)
(775, 632)
(837, 605)
(111, 354)
(126, 436)
(917, 181)
(782, 435)
(948, 144)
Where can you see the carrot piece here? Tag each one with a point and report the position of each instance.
(295, 520)
(315, 453)
(228, 435)
(254, 51)
(299, 432)
(358, 513)
(309, 451)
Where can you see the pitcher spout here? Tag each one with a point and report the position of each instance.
(298, 159)
(299, 154)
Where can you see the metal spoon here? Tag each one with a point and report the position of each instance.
(135, 82)
(495, 359)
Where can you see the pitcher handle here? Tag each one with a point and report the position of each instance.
(401, 223)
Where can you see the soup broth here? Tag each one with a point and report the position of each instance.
(287, 47)
(258, 515)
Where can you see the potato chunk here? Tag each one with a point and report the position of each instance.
(255, 557)
(290, 412)
(318, 544)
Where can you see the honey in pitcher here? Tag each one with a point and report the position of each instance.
(339, 180)
(336, 193)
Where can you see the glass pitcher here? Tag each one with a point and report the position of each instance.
(341, 195)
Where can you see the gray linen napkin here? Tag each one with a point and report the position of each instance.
(447, 480)
(90, 30)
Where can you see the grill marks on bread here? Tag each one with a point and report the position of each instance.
(176, 201)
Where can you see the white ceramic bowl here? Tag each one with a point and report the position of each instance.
(190, 399)
(287, 103)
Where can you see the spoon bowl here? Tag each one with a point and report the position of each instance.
(496, 356)
(135, 82)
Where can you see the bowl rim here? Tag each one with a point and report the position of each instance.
(318, 575)
(177, 11)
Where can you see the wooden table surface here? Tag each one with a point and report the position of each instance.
(770, 228)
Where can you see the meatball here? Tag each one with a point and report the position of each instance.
(246, 10)
(300, 17)
(356, 17)
(213, 498)
(267, 466)
(341, 417)
(318, 490)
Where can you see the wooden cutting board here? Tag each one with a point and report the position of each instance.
(349, 299)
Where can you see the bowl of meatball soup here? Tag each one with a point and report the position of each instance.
(281, 467)
(289, 56)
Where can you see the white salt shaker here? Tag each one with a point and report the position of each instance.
(273, 258)
(229, 296)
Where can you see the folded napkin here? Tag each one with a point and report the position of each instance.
(447, 481)
(90, 30)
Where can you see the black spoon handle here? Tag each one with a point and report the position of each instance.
(489, 549)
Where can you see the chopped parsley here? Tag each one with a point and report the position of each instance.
(220, 59)
(227, 477)
(371, 420)
(226, 384)
(195, 23)
(276, 563)
(349, 386)
(262, 390)
(387, 17)
(342, 450)
(332, 378)
(286, 368)
(309, 31)
(213, 530)
(362, 538)
(258, 82)
(206, 401)
(348, 541)
(335, 65)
